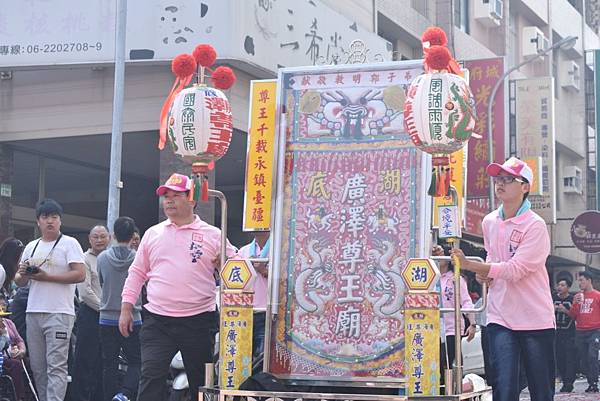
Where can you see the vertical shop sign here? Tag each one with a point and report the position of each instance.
(535, 138)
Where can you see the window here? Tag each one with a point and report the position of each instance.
(461, 15)
(421, 6)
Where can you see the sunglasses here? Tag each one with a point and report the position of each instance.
(507, 179)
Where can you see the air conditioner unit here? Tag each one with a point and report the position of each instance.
(488, 12)
(533, 41)
(572, 180)
(570, 77)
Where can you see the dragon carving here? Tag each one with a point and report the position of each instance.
(388, 284)
(313, 288)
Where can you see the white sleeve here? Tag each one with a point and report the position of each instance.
(74, 252)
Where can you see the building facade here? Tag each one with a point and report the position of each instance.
(56, 105)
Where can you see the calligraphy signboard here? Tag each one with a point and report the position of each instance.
(235, 343)
(259, 156)
(483, 74)
(449, 221)
(352, 211)
(423, 344)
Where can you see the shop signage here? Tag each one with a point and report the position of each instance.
(261, 33)
(585, 232)
(535, 138)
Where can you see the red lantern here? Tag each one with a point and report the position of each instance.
(199, 121)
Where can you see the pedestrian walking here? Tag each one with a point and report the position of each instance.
(178, 259)
(586, 312)
(51, 266)
(566, 353)
(113, 267)
(87, 368)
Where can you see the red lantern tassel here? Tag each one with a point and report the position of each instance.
(205, 189)
(178, 86)
(447, 181)
(192, 190)
(441, 182)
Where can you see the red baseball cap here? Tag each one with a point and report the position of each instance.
(512, 166)
(177, 183)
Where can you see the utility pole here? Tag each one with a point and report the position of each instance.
(116, 140)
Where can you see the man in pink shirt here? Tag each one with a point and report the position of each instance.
(178, 259)
(520, 311)
(259, 248)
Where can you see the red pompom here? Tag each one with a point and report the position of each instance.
(183, 65)
(438, 57)
(205, 55)
(223, 77)
(435, 36)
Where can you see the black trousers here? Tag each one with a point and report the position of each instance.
(566, 355)
(87, 367)
(112, 343)
(588, 345)
(161, 337)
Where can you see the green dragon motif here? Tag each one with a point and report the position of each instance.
(459, 129)
(172, 136)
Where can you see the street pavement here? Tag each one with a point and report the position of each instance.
(578, 394)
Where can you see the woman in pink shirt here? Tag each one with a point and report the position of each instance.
(520, 311)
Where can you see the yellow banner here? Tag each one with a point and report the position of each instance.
(260, 156)
(235, 339)
(457, 180)
(422, 353)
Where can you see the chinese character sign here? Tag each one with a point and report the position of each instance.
(439, 113)
(259, 156)
(200, 124)
(235, 339)
(535, 138)
(483, 74)
(352, 204)
(422, 337)
(449, 221)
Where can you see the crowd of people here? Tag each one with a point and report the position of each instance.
(529, 334)
(96, 296)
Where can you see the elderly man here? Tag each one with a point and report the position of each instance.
(87, 372)
(178, 259)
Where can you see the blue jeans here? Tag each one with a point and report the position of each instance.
(536, 348)
(258, 334)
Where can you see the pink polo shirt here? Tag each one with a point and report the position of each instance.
(447, 286)
(261, 283)
(517, 248)
(177, 263)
